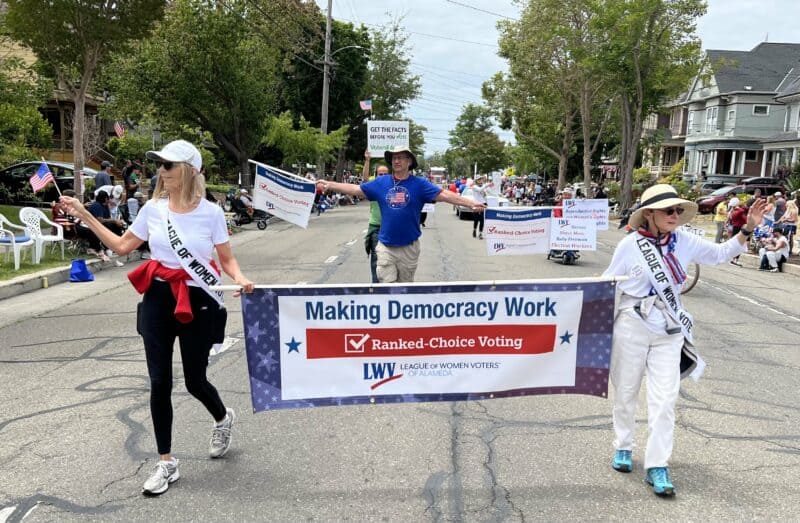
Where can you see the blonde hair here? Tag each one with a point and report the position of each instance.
(193, 186)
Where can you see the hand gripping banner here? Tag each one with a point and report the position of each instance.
(312, 346)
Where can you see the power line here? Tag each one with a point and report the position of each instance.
(426, 34)
(267, 39)
(482, 10)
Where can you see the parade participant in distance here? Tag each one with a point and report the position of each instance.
(374, 226)
(177, 302)
(401, 197)
(479, 194)
(648, 335)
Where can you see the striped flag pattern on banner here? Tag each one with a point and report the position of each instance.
(366, 105)
(119, 129)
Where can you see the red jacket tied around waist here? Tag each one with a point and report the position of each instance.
(142, 277)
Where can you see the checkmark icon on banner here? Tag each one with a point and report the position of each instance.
(355, 342)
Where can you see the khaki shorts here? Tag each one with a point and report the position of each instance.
(397, 264)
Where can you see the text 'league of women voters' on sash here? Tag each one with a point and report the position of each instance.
(310, 346)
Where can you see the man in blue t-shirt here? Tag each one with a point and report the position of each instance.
(400, 197)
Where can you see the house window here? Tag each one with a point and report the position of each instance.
(761, 110)
(690, 123)
(711, 119)
(787, 120)
(750, 156)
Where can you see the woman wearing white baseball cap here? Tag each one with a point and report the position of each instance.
(652, 331)
(183, 230)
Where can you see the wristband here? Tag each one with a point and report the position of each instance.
(745, 232)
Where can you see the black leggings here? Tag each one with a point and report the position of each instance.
(158, 327)
(477, 219)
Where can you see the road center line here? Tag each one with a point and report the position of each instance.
(750, 300)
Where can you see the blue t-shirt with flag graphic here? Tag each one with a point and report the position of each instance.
(401, 203)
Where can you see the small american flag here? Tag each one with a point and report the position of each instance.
(119, 129)
(398, 198)
(41, 177)
(366, 105)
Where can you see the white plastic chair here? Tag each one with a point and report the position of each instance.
(31, 218)
(13, 242)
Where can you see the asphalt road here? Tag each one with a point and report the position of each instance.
(76, 442)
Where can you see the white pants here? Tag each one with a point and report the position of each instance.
(637, 349)
(772, 257)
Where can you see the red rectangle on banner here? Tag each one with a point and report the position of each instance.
(477, 340)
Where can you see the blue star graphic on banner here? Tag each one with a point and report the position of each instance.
(293, 345)
(566, 337)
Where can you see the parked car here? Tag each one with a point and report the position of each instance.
(707, 204)
(762, 180)
(16, 177)
(710, 187)
(465, 213)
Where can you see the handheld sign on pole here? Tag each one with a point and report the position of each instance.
(283, 194)
(385, 135)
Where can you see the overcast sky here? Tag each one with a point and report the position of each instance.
(454, 44)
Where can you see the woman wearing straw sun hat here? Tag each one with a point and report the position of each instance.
(652, 331)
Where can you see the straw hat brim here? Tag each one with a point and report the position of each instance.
(689, 211)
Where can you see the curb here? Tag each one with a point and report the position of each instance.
(56, 275)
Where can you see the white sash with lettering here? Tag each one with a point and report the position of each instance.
(661, 281)
(202, 274)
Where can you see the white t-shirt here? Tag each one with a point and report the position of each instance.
(689, 248)
(201, 229)
(479, 193)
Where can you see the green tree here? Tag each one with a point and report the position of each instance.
(22, 126)
(487, 151)
(222, 75)
(303, 143)
(473, 121)
(650, 51)
(390, 84)
(537, 98)
(72, 40)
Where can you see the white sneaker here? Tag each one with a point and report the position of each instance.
(144, 255)
(118, 263)
(221, 435)
(164, 473)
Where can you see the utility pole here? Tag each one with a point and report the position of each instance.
(325, 82)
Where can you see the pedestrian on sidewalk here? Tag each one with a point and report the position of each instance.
(401, 197)
(183, 229)
(652, 331)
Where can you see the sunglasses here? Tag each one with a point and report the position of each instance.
(166, 165)
(672, 210)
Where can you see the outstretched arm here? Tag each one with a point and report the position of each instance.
(365, 172)
(457, 199)
(344, 188)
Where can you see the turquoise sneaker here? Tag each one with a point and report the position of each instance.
(622, 461)
(658, 477)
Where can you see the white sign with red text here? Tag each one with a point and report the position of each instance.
(595, 210)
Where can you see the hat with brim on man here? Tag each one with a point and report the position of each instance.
(401, 149)
(662, 196)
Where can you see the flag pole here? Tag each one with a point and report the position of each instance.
(54, 178)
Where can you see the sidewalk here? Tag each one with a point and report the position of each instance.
(56, 275)
(47, 278)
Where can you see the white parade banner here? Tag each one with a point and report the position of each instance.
(516, 230)
(595, 210)
(385, 135)
(429, 207)
(283, 194)
(573, 235)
